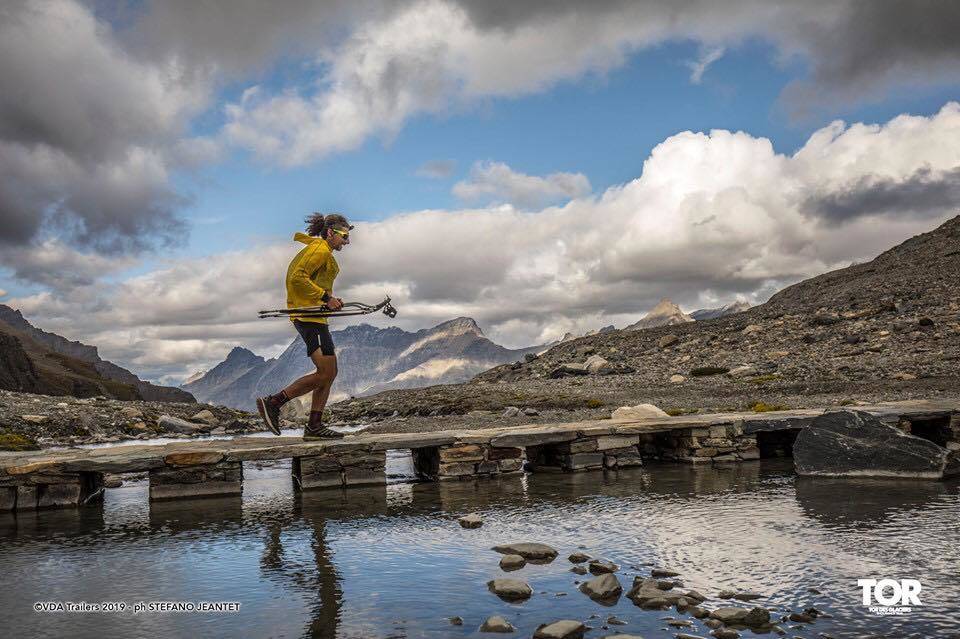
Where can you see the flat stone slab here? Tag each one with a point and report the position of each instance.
(17, 466)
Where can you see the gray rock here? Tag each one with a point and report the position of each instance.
(578, 558)
(510, 411)
(531, 412)
(742, 371)
(563, 629)
(496, 624)
(602, 566)
(528, 550)
(602, 588)
(729, 615)
(667, 340)
(569, 369)
(661, 572)
(640, 411)
(580, 570)
(596, 364)
(472, 520)
(456, 621)
(176, 425)
(512, 562)
(725, 633)
(857, 444)
(510, 589)
(757, 617)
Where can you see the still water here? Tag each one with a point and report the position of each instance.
(393, 562)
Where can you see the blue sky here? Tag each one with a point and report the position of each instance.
(526, 105)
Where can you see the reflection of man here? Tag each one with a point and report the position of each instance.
(322, 586)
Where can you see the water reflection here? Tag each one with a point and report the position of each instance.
(392, 561)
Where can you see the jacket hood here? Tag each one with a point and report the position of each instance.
(306, 239)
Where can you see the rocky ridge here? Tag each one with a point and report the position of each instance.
(63, 367)
(884, 330)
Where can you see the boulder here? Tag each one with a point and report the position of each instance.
(640, 411)
(205, 416)
(176, 425)
(667, 340)
(472, 520)
(602, 566)
(512, 562)
(603, 588)
(596, 364)
(496, 624)
(563, 629)
(528, 550)
(530, 412)
(510, 411)
(510, 589)
(569, 369)
(857, 444)
(742, 371)
(578, 558)
(677, 379)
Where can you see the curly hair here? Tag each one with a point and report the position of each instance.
(316, 224)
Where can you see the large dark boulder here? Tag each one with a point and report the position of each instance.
(857, 444)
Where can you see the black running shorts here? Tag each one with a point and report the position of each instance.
(315, 335)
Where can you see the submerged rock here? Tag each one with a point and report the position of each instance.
(603, 588)
(528, 550)
(602, 566)
(857, 444)
(472, 520)
(496, 624)
(512, 562)
(510, 589)
(563, 629)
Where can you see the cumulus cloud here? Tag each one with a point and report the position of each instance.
(427, 56)
(497, 182)
(437, 169)
(84, 132)
(714, 216)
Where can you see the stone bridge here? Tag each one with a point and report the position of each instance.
(74, 477)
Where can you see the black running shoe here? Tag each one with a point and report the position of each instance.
(270, 413)
(320, 432)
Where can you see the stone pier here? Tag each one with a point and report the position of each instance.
(199, 480)
(466, 461)
(50, 490)
(330, 470)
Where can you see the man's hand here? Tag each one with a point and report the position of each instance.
(335, 304)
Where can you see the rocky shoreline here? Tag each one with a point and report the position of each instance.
(651, 589)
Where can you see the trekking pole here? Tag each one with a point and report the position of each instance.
(348, 309)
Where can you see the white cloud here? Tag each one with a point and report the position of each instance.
(713, 217)
(497, 182)
(708, 56)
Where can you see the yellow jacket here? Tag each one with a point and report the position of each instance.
(310, 275)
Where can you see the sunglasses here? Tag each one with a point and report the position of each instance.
(344, 234)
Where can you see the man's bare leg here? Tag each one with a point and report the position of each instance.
(319, 382)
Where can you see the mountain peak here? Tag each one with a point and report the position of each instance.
(665, 313)
(459, 326)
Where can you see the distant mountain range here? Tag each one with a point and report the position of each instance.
(370, 360)
(714, 313)
(35, 361)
